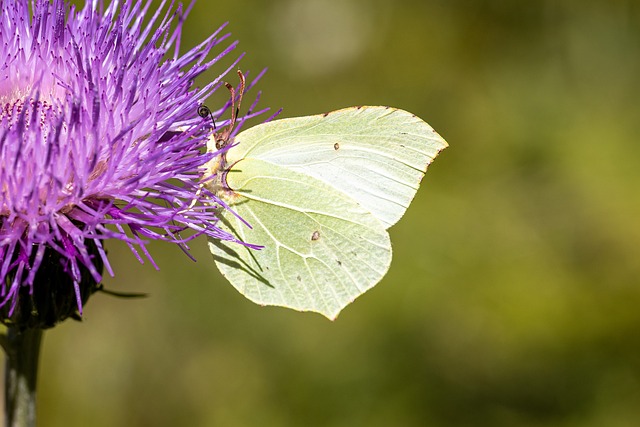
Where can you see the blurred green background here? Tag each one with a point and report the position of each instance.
(513, 298)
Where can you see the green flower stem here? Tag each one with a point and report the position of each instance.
(22, 348)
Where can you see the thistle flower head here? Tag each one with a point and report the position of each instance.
(99, 139)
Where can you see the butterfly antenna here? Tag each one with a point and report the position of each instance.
(223, 137)
(234, 110)
(243, 83)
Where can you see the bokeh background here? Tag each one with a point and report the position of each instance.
(513, 298)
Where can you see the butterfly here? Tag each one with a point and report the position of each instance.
(319, 193)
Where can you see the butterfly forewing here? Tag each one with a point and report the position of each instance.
(377, 156)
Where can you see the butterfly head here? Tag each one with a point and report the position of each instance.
(221, 139)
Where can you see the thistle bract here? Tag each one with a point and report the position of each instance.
(99, 139)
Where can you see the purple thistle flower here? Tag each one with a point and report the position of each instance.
(99, 139)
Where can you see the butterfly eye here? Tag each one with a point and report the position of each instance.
(221, 141)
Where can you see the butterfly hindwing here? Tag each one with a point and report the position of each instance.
(321, 249)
